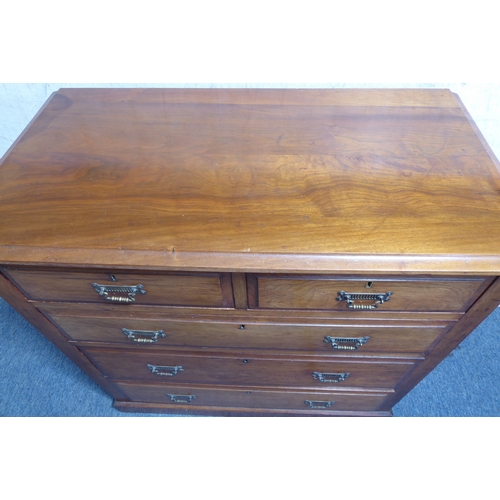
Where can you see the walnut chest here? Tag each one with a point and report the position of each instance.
(252, 252)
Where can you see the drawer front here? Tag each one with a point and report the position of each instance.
(303, 400)
(322, 292)
(245, 370)
(203, 289)
(388, 338)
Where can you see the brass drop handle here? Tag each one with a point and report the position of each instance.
(378, 298)
(181, 398)
(168, 371)
(131, 291)
(334, 378)
(346, 343)
(319, 404)
(144, 336)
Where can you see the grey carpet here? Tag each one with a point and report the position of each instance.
(36, 379)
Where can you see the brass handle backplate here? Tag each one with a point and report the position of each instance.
(130, 291)
(168, 371)
(143, 335)
(181, 398)
(346, 343)
(319, 404)
(378, 298)
(330, 377)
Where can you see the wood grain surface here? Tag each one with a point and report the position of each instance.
(385, 338)
(243, 213)
(246, 369)
(264, 399)
(160, 288)
(289, 292)
(166, 177)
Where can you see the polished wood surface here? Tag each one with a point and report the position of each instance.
(386, 338)
(291, 316)
(288, 292)
(243, 213)
(224, 411)
(262, 399)
(160, 177)
(246, 369)
(164, 289)
(239, 283)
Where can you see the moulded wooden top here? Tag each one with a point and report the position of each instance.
(247, 179)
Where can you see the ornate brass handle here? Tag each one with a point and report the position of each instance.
(131, 291)
(346, 343)
(379, 298)
(143, 335)
(330, 377)
(181, 398)
(168, 371)
(319, 404)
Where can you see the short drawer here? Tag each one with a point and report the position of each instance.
(176, 289)
(333, 293)
(388, 337)
(252, 398)
(241, 369)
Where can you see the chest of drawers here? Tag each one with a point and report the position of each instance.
(252, 252)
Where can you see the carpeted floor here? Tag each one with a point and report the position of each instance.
(36, 379)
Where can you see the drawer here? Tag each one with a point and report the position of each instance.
(389, 337)
(252, 398)
(243, 369)
(175, 289)
(399, 294)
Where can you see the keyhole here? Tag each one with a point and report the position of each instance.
(241, 327)
(245, 361)
(112, 277)
(369, 284)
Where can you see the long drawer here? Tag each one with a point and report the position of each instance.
(171, 289)
(247, 369)
(255, 398)
(389, 294)
(334, 336)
